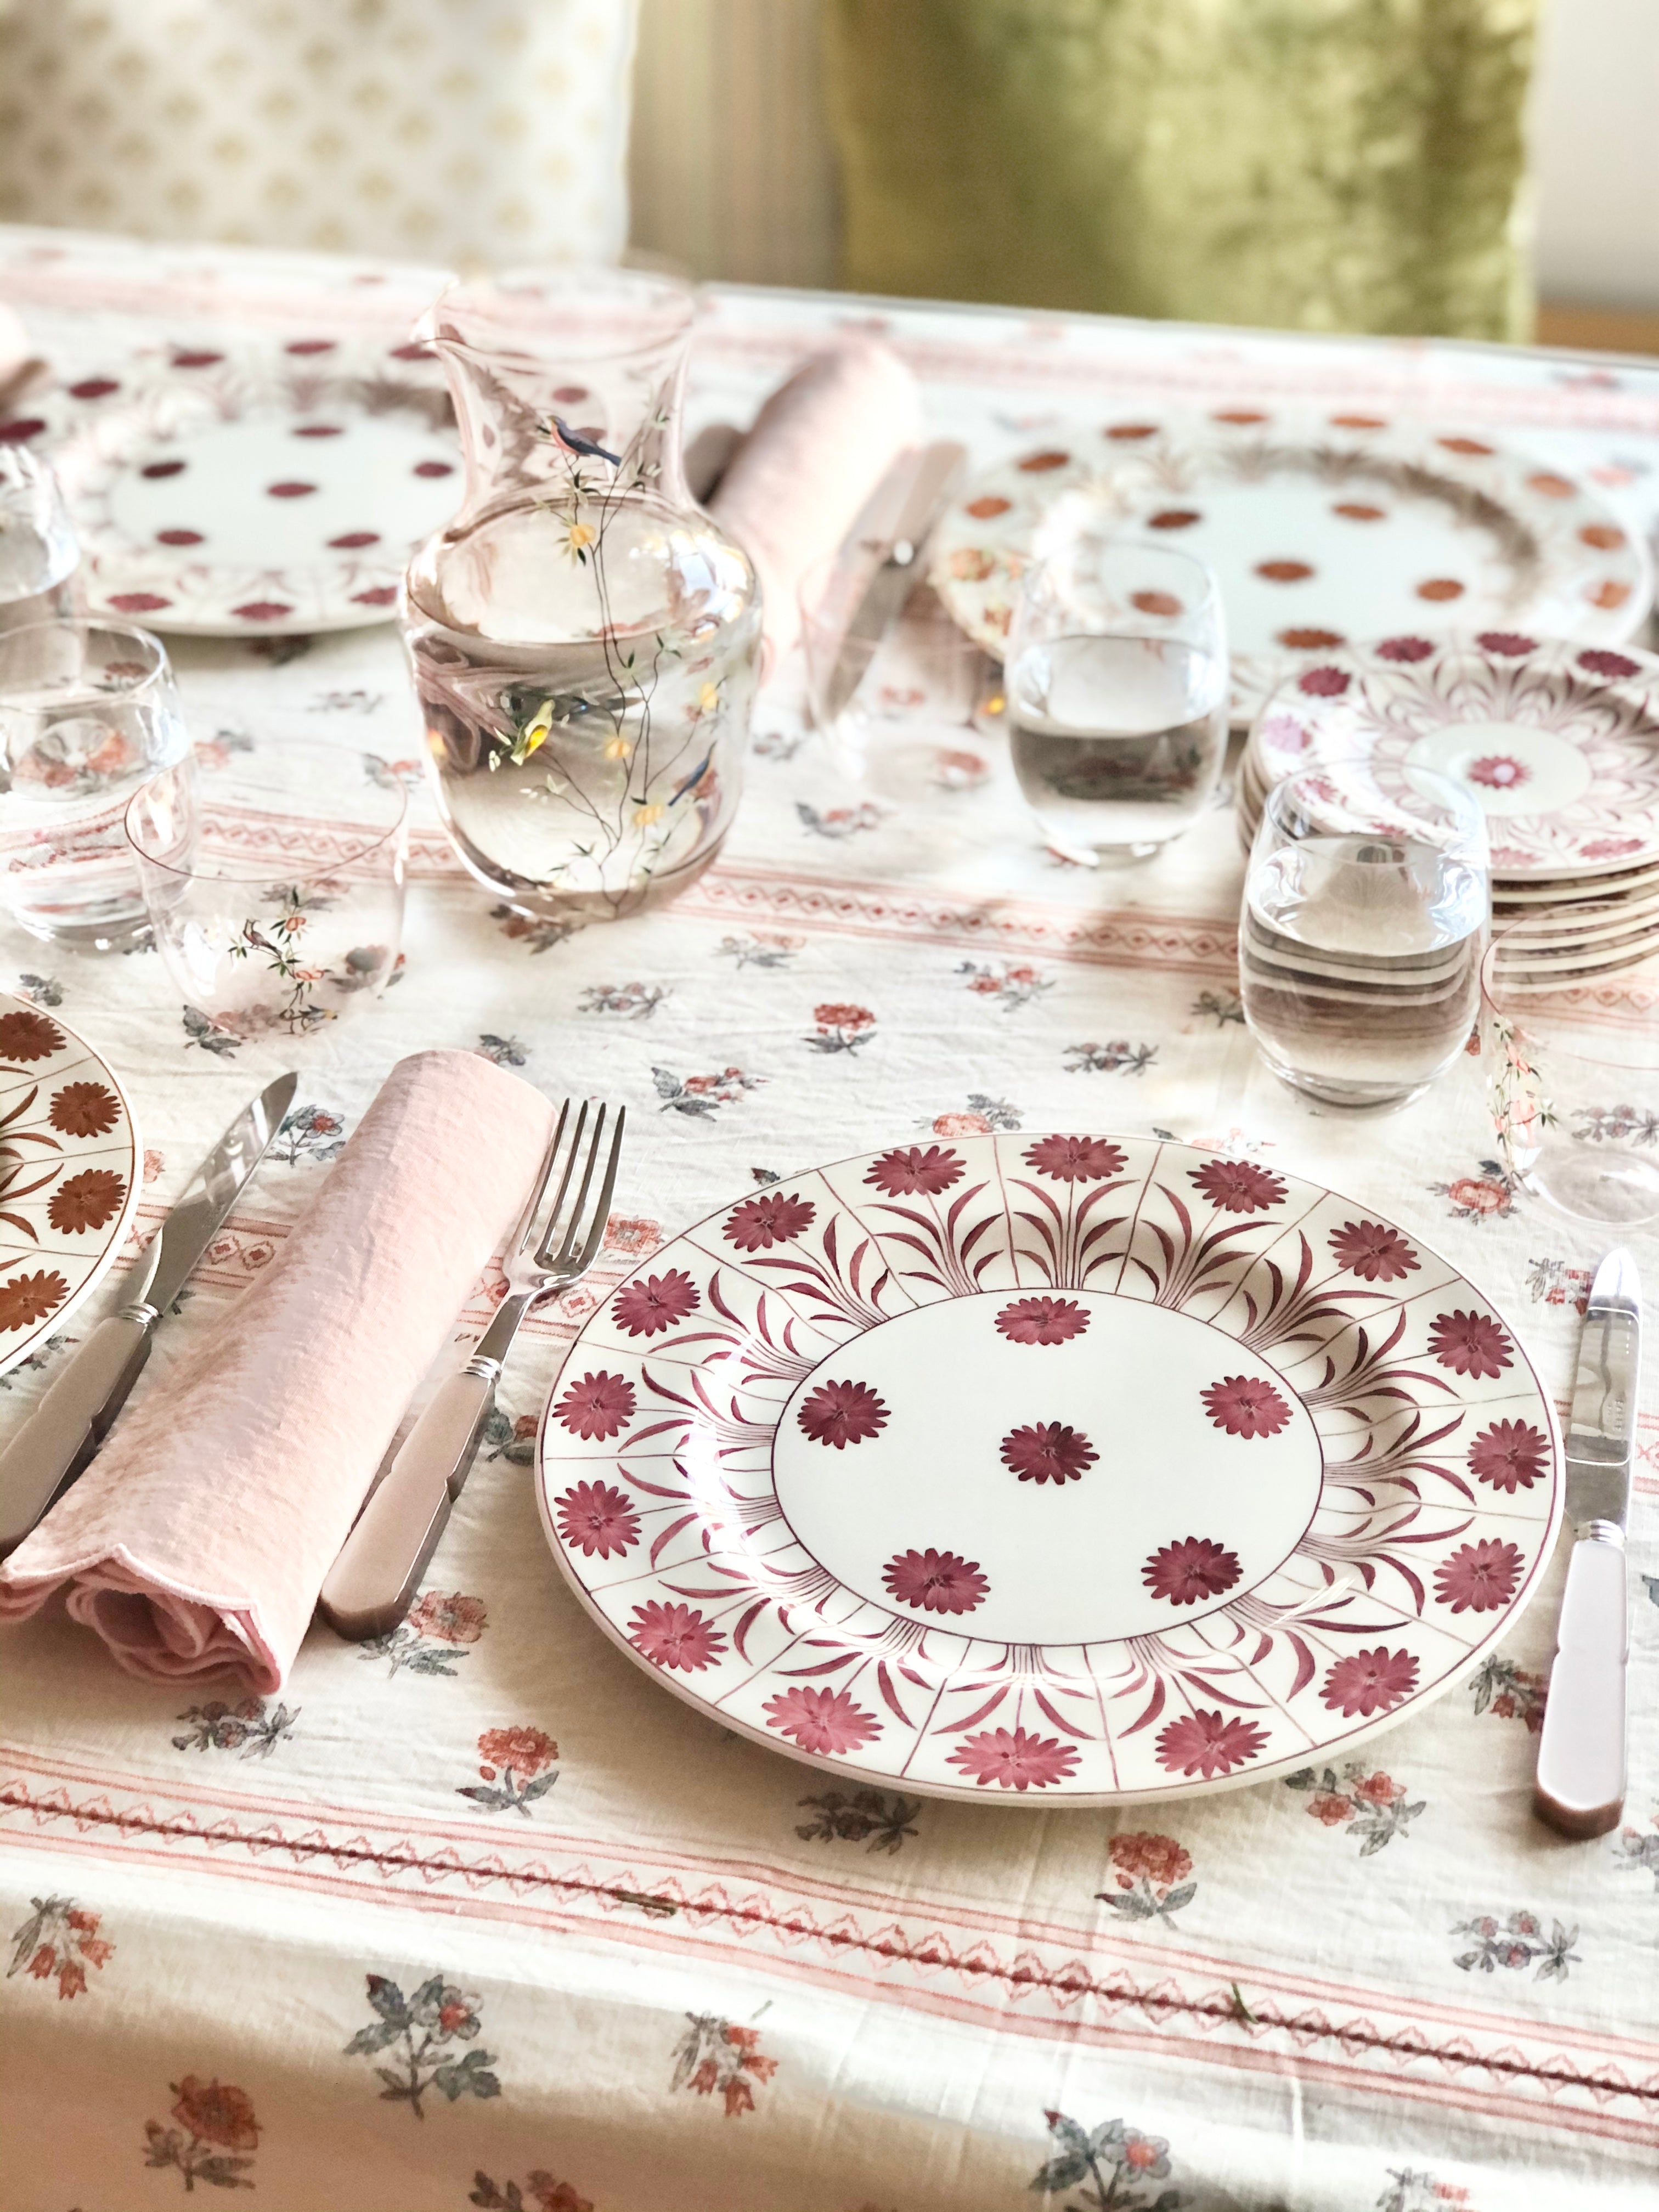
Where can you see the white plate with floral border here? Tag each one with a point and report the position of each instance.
(1558, 741)
(1320, 528)
(1092, 1469)
(70, 1175)
(260, 493)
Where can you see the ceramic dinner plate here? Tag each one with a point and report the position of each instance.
(260, 493)
(1080, 1468)
(1321, 528)
(69, 1175)
(1558, 742)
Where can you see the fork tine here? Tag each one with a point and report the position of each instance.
(528, 1218)
(553, 1211)
(568, 1248)
(602, 1210)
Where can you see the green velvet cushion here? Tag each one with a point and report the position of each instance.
(1322, 165)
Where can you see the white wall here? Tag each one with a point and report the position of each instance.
(1595, 153)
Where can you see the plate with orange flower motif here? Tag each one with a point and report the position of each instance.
(1322, 527)
(1083, 1468)
(69, 1175)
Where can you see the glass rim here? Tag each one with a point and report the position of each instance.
(83, 625)
(1513, 1009)
(1042, 563)
(521, 302)
(1465, 803)
(353, 858)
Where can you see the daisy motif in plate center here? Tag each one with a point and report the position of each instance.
(997, 1464)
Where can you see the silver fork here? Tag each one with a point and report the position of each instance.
(372, 1583)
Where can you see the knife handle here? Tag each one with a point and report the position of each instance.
(371, 1584)
(66, 1428)
(1580, 1753)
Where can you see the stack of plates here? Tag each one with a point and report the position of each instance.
(1559, 741)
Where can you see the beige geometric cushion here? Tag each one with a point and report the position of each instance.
(460, 131)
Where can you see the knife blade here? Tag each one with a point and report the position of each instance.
(934, 474)
(1580, 1788)
(61, 1436)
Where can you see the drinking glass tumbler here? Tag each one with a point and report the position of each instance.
(39, 557)
(274, 880)
(1117, 690)
(87, 712)
(1364, 922)
(1572, 1069)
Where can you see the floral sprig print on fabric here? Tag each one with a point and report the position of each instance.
(1509, 1693)
(1636, 1851)
(199, 1031)
(1371, 1804)
(250, 1728)
(309, 1132)
(981, 1116)
(433, 1636)
(1116, 1057)
(1616, 1125)
(502, 1051)
(761, 949)
(1011, 985)
(1488, 1196)
(1410, 2190)
(525, 929)
(540, 2193)
(630, 1002)
(215, 2137)
(57, 1944)
(1553, 1282)
(1219, 1007)
(1516, 1943)
(838, 823)
(40, 990)
(840, 1026)
(422, 2033)
(878, 1820)
(702, 1095)
(38, 1360)
(1152, 1877)
(1110, 2165)
(517, 1769)
(510, 1437)
(713, 2055)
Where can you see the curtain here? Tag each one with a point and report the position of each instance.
(1321, 164)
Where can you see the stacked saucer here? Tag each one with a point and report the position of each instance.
(1558, 741)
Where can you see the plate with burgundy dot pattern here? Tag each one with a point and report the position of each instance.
(1074, 1468)
(69, 1174)
(1322, 527)
(262, 492)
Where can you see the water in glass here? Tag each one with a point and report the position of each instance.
(88, 714)
(39, 556)
(1359, 951)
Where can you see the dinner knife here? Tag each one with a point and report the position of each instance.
(1581, 1752)
(934, 474)
(73, 1417)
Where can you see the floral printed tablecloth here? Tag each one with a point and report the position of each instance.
(479, 1914)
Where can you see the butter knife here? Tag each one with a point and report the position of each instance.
(1581, 1753)
(934, 474)
(64, 1431)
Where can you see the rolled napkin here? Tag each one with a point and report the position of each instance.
(20, 365)
(819, 448)
(199, 1537)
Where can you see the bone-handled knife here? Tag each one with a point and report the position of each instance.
(1581, 1753)
(73, 1417)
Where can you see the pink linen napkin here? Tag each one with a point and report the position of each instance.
(819, 447)
(199, 1537)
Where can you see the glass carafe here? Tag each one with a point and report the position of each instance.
(585, 640)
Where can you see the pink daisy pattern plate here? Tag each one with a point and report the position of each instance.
(70, 1168)
(262, 493)
(1074, 1466)
(1322, 528)
(1558, 741)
